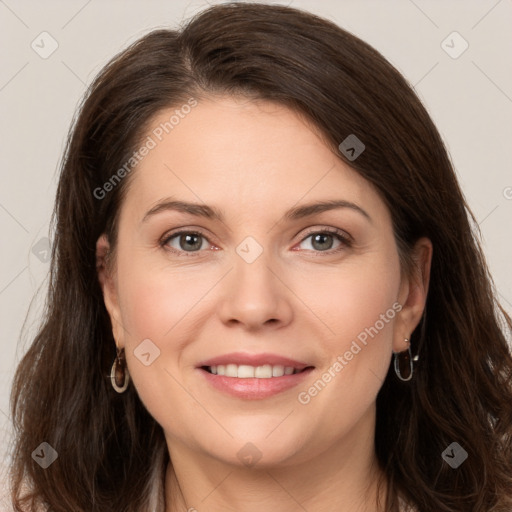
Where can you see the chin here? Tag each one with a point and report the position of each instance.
(262, 451)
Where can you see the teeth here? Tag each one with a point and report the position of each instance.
(278, 371)
(244, 371)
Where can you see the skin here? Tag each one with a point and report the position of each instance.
(254, 160)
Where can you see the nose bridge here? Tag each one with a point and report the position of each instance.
(254, 294)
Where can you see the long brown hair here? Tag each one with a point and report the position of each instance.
(461, 390)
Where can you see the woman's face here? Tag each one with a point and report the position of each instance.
(256, 281)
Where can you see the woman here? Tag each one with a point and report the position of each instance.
(202, 349)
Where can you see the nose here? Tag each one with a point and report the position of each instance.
(255, 296)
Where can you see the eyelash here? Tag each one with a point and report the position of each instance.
(345, 240)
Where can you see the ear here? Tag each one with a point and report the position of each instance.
(413, 294)
(107, 281)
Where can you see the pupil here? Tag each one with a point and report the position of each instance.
(188, 239)
(321, 237)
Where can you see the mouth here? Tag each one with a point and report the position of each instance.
(253, 376)
(245, 371)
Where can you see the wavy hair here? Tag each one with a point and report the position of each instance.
(111, 451)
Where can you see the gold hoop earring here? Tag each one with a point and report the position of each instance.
(119, 376)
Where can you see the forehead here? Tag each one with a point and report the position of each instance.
(241, 154)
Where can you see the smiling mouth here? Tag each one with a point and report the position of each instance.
(243, 371)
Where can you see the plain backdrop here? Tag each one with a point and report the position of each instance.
(467, 91)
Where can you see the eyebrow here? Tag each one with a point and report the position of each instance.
(210, 212)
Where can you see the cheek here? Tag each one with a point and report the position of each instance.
(355, 297)
(154, 305)
(373, 309)
(154, 299)
(160, 304)
(367, 301)
(360, 310)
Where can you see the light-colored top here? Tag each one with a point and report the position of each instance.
(158, 499)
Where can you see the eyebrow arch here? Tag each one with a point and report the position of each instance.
(298, 212)
(306, 210)
(198, 210)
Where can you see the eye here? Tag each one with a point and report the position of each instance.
(186, 241)
(322, 241)
(190, 242)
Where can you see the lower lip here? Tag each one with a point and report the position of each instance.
(255, 389)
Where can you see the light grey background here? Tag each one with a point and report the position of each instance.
(468, 97)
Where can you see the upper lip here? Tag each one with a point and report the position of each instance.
(240, 358)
